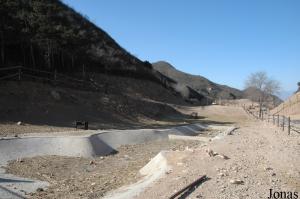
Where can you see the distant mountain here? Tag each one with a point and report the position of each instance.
(198, 83)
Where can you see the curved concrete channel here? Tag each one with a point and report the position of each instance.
(93, 144)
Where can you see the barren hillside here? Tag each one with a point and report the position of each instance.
(197, 82)
(290, 107)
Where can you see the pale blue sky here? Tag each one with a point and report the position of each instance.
(223, 40)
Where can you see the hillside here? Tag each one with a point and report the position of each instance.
(290, 107)
(49, 36)
(197, 82)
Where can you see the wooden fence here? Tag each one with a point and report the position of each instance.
(281, 121)
(20, 73)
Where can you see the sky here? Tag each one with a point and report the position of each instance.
(223, 40)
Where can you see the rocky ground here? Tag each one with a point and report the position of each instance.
(71, 177)
(261, 157)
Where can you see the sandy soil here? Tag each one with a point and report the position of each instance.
(72, 177)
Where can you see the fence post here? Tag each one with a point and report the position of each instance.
(55, 76)
(19, 74)
(277, 120)
(289, 125)
(273, 119)
(283, 118)
(83, 71)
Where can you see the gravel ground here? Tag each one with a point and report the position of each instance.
(72, 177)
(261, 157)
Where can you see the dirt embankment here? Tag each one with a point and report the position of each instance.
(290, 107)
(129, 103)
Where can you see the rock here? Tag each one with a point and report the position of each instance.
(189, 149)
(92, 162)
(169, 171)
(40, 189)
(238, 182)
(19, 123)
(101, 157)
(268, 168)
(55, 95)
(223, 156)
(210, 152)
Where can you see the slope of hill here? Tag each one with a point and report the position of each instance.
(197, 82)
(50, 36)
(290, 107)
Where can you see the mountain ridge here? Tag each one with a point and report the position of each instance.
(198, 82)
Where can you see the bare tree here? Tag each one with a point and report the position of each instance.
(267, 86)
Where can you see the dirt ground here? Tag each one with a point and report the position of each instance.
(71, 177)
(261, 157)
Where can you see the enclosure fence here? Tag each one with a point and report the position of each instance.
(281, 121)
(20, 73)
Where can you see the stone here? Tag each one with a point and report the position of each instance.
(19, 123)
(92, 162)
(40, 189)
(55, 95)
(238, 182)
(223, 156)
(169, 171)
(210, 152)
(268, 168)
